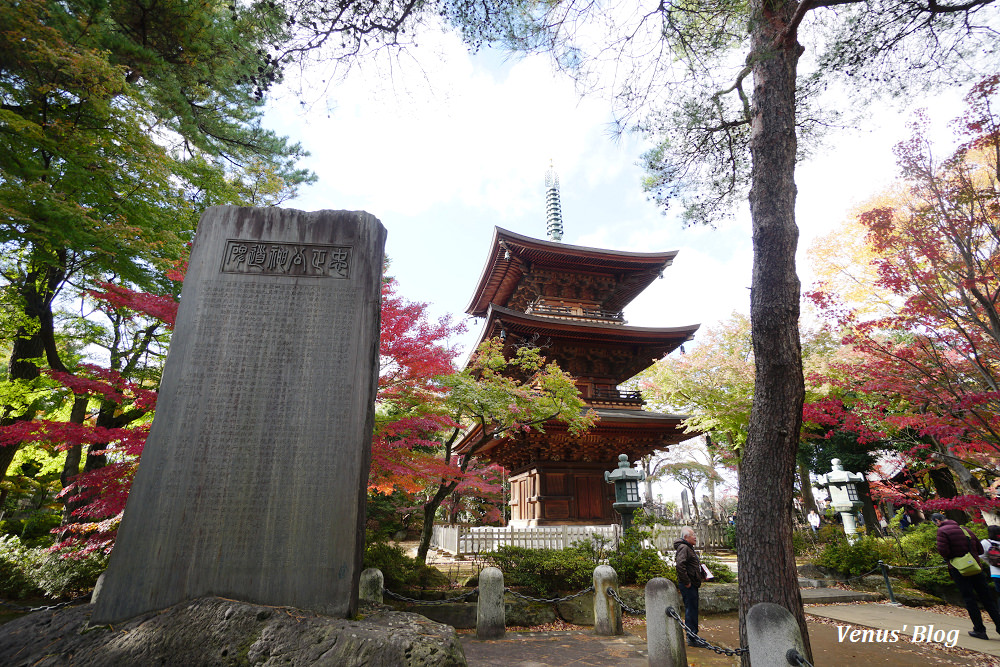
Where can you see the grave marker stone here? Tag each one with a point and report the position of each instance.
(253, 480)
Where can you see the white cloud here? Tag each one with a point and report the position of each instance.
(443, 150)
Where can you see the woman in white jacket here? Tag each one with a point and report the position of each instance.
(992, 541)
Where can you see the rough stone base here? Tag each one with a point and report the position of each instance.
(718, 598)
(214, 631)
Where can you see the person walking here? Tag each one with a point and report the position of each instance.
(993, 540)
(689, 578)
(954, 541)
(813, 520)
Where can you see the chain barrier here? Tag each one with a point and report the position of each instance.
(397, 596)
(549, 600)
(701, 641)
(908, 567)
(795, 658)
(862, 576)
(50, 607)
(635, 612)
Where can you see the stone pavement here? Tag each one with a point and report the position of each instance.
(831, 644)
(917, 625)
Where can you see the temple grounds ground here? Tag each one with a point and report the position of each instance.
(572, 646)
(579, 647)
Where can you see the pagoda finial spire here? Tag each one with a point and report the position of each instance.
(553, 208)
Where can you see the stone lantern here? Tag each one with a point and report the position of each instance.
(843, 495)
(626, 480)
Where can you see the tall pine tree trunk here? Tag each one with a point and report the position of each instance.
(764, 527)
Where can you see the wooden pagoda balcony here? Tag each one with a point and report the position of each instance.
(576, 313)
(632, 398)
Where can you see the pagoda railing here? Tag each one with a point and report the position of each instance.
(618, 396)
(583, 313)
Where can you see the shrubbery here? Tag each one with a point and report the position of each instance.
(855, 559)
(551, 571)
(400, 570)
(545, 571)
(636, 565)
(31, 571)
(915, 548)
(723, 575)
(729, 539)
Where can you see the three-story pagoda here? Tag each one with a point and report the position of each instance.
(569, 300)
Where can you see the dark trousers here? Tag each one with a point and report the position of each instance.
(975, 587)
(690, 597)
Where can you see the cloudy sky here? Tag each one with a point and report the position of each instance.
(443, 150)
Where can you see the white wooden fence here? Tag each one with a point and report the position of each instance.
(709, 537)
(468, 541)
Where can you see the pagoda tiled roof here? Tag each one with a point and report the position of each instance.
(646, 344)
(512, 255)
(634, 432)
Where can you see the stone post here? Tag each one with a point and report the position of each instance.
(664, 635)
(607, 612)
(771, 633)
(97, 589)
(254, 475)
(491, 619)
(371, 585)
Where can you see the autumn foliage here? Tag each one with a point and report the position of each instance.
(924, 373)
(414, 355)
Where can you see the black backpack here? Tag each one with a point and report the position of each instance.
(993, 554)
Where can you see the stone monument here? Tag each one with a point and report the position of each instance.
(253, 480)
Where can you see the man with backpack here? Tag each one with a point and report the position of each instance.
(954, 541)
(991, 547)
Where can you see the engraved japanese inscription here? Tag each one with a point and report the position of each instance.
(269, 258)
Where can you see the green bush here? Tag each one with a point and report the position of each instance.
(723, 575)
(636, 565)
(729, 539)
(399, 570)
(855, 559)
(802, 541)
(545, 571)
(913, 549)
(37, 528)
(917, 547)
(32, 572)
(17, 565)
(596, 549)
(63, 575)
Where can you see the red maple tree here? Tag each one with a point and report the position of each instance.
(926, 372)
(414, 351)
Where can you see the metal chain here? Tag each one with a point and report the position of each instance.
(862, 576)
(397, 596)
(614, 595)
(549, 600)
(908, 567)
(50, 607)
(672, 613)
